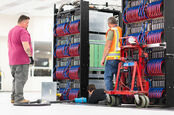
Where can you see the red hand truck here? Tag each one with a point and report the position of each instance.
(138, 93)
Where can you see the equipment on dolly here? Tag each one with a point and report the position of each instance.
(130, 81)
(75, 100)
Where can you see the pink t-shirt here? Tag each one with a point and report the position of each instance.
(16, 53)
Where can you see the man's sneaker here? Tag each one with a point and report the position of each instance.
(12, 101)
(24, 101)
(108, 98)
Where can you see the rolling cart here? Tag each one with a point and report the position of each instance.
(130, 83)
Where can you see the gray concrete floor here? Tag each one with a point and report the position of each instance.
(7, 108)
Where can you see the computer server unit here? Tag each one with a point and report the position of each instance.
(151, 23)
(79, 39)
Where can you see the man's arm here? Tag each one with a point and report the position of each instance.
(27, 48)
(107, 46)
(106, 51)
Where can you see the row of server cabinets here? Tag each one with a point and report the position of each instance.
(151, 23)
(79, 39)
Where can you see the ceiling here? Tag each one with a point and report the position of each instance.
(41, 7)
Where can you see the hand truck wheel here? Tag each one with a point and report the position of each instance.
(140, 101)
(114, 101)
(147, 100)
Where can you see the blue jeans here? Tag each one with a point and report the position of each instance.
(111, 68)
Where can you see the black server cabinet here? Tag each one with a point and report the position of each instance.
(91, 32)
(81, 11)
(84, 49)
(166, 46)
(169, 34)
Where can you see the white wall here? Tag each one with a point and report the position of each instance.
(6, 23)
(40, 29)
(6, 75)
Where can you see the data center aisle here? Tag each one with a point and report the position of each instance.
(75, 109)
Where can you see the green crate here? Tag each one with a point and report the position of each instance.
(96, 55)
(100, 55)
(91, 55)
(103, 47)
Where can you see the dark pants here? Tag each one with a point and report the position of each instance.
(20, 76)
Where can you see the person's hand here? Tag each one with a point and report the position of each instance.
(31, 60)
(102, 62)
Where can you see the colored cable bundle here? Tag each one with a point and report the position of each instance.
(68, 28)
(140, 37)
(154, 9)
(61, 73)
(74, 27)
(65, 93)
(66, 51)
(61, 29)
(156, 92)
(62, 51)
(132, 14)
(154, 36)
(124, 13)
(74, 72)
(155, 67)
(143, 11)
(65, 73)
(136, 13)
(73, 93)
(74, 49)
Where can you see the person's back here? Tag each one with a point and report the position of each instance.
(17, 54)
(111, 53)
(97, 95)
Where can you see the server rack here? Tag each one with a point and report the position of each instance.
(154, 18)
(92, 26)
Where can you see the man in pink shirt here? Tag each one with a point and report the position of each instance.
(20, 56)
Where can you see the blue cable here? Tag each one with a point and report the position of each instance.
(54, 76)
(55, 47)
(150, 85)
(125, 32)
(64, 26)
(139, 10)
(66, 47)
(67, 29)
(143, 34)
(144, 8)
(66, 74)
(66, 90)
(54, 29)
(124, 16)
